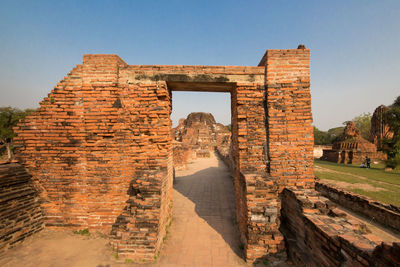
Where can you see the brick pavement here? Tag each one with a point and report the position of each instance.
(204, 231)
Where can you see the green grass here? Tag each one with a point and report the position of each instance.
(374, 177)
(390, 197)
(82, 232)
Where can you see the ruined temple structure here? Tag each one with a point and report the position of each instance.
(379, 129)
(99, 148)
(198, 136)
(353, 148)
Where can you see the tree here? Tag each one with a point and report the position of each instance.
(363, 123)
(321, 137)
(392, 118)
(336, 134)
(9, 117)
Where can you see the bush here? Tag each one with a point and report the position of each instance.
(393, 162)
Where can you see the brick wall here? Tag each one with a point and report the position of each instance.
(257, 202)
(101, 153)
(100, 146)
(385, 214)
(224, 154)
(289, 118)
(20, 213)
(318, 234)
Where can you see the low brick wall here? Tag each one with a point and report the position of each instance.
(318, 150)
(20, 213)
(319, 234)
(385, 214)
(224, 155)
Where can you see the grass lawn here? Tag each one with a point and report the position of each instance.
(387, 183)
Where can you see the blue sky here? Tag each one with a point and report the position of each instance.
(355, 46)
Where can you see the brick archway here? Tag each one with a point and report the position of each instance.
(100, 151)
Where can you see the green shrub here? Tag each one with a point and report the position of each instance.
(393, 162)
(82, 232)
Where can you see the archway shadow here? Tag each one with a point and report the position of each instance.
(212, 192)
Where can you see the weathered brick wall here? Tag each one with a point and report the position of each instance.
(318, 234)
(257, 202)
(251, 132)
(224, 153)
(290, 133)
(274, 142)
(385, 214)
(20, 213)
(100, 146)
(263, 237)
(101, 153)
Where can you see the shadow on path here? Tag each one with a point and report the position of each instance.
(212, 192)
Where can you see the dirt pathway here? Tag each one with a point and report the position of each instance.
(203, 231)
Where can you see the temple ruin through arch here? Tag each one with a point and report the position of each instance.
(99, 148)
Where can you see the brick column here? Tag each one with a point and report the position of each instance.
(289, 118)
(257, 203)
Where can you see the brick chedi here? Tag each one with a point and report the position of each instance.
(99, 148)
(353, 148)
(379, 129)
(197, 136)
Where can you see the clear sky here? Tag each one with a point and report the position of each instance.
(355, 46)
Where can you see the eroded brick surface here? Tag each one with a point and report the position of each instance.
(379, 129)
(100, 146)
(198, 136)
(20, 213)
(385, 214)
(319, 234)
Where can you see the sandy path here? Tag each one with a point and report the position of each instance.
(59, 248)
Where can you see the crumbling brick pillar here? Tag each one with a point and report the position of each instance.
(275, 147)
(289, 118)
(256, 192)
(248, 140)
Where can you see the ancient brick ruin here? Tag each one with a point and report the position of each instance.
(198, 136)
(353, 148)
(319, 233)
(20, 212)
(99, 148)
(100, 153)
(379, 129)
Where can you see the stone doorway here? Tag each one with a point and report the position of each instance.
(204, 230)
